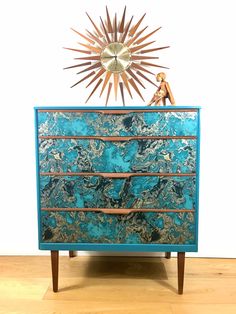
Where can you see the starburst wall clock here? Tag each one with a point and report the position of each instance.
(116, 57)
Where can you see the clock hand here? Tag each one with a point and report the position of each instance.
(115, 62)
(108, 57)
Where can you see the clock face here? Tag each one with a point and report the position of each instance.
(116, 57)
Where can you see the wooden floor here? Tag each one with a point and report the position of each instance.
(119, 285)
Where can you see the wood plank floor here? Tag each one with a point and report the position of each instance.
(116, 285)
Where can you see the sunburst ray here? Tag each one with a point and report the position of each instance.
(136, 26)
(122, 93)
(84, 78)
(137, 48)
(109, 26)
(83, 36)
(139, 41)
(106, 80)
(108, 92)
(79, 50)
(130, 41)
(105, 31)
(94, 66)
(100, 72)
(98, 83)
(153, 65)
(126, 82)
(143, 58)
(115, 28)
(153, 49)
(122, 23)
(98, 41)
(139, 67)
(146, 78)
(131, 73)
(93, 58)
(116, 81)
(131, 81)
(77, 65)
(126, 30)
(91, 48)
(95, 26)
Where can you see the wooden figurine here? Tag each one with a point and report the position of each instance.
(162, 92)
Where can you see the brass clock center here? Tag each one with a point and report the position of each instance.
(116, 57)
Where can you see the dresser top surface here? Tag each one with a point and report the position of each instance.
(115, 107)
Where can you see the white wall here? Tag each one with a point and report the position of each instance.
(202, 60)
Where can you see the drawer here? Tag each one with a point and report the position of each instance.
(139, 191)
(120, 123)
(96, 155)
(135, 228)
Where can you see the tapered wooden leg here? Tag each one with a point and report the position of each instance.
(168, 255)
(72, 254)
(54, 263)
(181, 262)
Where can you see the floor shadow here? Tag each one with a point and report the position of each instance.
(167, 285)
(110, 267)
(126, 267)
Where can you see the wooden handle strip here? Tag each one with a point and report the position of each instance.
(118, 138)
(112, 211)
(126, 211)
(117, 111)
(117, 174)
(121, 211)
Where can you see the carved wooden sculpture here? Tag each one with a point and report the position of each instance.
(162, 92)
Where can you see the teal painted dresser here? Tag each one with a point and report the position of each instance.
(118, 179)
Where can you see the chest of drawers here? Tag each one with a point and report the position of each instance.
(115, 179)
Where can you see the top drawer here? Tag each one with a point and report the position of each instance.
(172, 122)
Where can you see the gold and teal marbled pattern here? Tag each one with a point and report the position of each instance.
(142, 155)
(132, 124)
(137, 228)
(174, 192)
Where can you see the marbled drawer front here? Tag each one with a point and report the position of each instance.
(175, 192)
(146, 155)
(132, 124)
(136, 228)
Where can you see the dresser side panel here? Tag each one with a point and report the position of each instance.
(37, 176)
(197, 177)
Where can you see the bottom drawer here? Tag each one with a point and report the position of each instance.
(133, 228)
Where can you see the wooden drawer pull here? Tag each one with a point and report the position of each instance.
(114, 111)
(116, 211)
(118, 174)
(126, 211)
(115, 175)
(116, 139)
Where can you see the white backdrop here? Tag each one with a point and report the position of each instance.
(202, 61)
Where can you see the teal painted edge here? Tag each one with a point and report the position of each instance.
(115, 107)
(119, 247)
(37, 175)
(198, 177)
